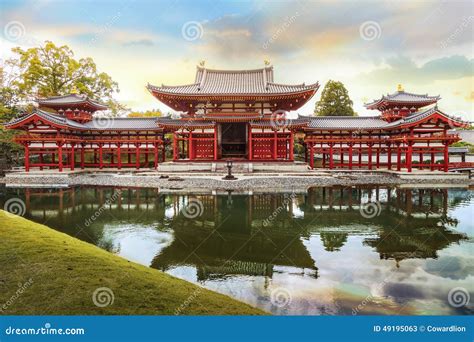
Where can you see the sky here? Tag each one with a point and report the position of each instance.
(371, 46)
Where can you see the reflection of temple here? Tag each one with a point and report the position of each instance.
(254, 234)
(231, 237)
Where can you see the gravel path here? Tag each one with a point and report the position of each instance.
(260, 183)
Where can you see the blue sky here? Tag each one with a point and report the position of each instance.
(369, 45)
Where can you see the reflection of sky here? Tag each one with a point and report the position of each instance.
(138, 243)
(346, 277)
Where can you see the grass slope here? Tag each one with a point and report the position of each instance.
(43, 271)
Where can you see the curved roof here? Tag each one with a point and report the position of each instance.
(233, 82)
(69, 101)
(376, 122)
(404, 98)
(97, 124)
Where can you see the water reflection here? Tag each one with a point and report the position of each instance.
(320, 246)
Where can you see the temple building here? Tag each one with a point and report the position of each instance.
(240, 115)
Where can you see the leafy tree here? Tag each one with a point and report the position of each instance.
(145, 114)
(52, 70)
(335, 101)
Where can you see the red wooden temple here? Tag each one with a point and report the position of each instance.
(239, 115)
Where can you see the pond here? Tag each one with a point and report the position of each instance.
(330, 251)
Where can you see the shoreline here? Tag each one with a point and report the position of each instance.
(254, 182)
(56, 278)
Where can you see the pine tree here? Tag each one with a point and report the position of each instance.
(335, 101)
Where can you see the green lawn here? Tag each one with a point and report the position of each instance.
(44, 272)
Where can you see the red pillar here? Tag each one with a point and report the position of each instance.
(275, 145)
(311, 156)
(60, 158)
(446, 157)
(432, 167)
(250, 143)
(175, 146)
(409, 156)
(41, 160)
(119, 156)
(292, 142)
(350, 156)
(389, 156)
(73, 157)
(27, 158)
(191, 146)
(156, 156)
(82, 156)
(369, 154)
(378, 157)
(215, 142)
(137, 156)
(331, 156)
(360, 155)
(399, 157)
(101, 161)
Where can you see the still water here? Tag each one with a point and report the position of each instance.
(331, 251)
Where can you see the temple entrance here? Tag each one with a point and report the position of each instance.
(233, 140)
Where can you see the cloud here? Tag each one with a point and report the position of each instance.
(140, 42)
(405, 70)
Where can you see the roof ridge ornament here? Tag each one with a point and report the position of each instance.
(400, 88)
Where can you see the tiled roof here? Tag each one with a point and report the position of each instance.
(100, 124)
(71, 99)
(404, 97)
(299, 122)
(183, 123)
(242, 82)
(373, 122)
(347, 122)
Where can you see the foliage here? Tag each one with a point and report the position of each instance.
(464, 144)
(64, 281)
(146, 114)
(52, 70)
(335, 101)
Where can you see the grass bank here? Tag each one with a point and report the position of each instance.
(45, 272)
